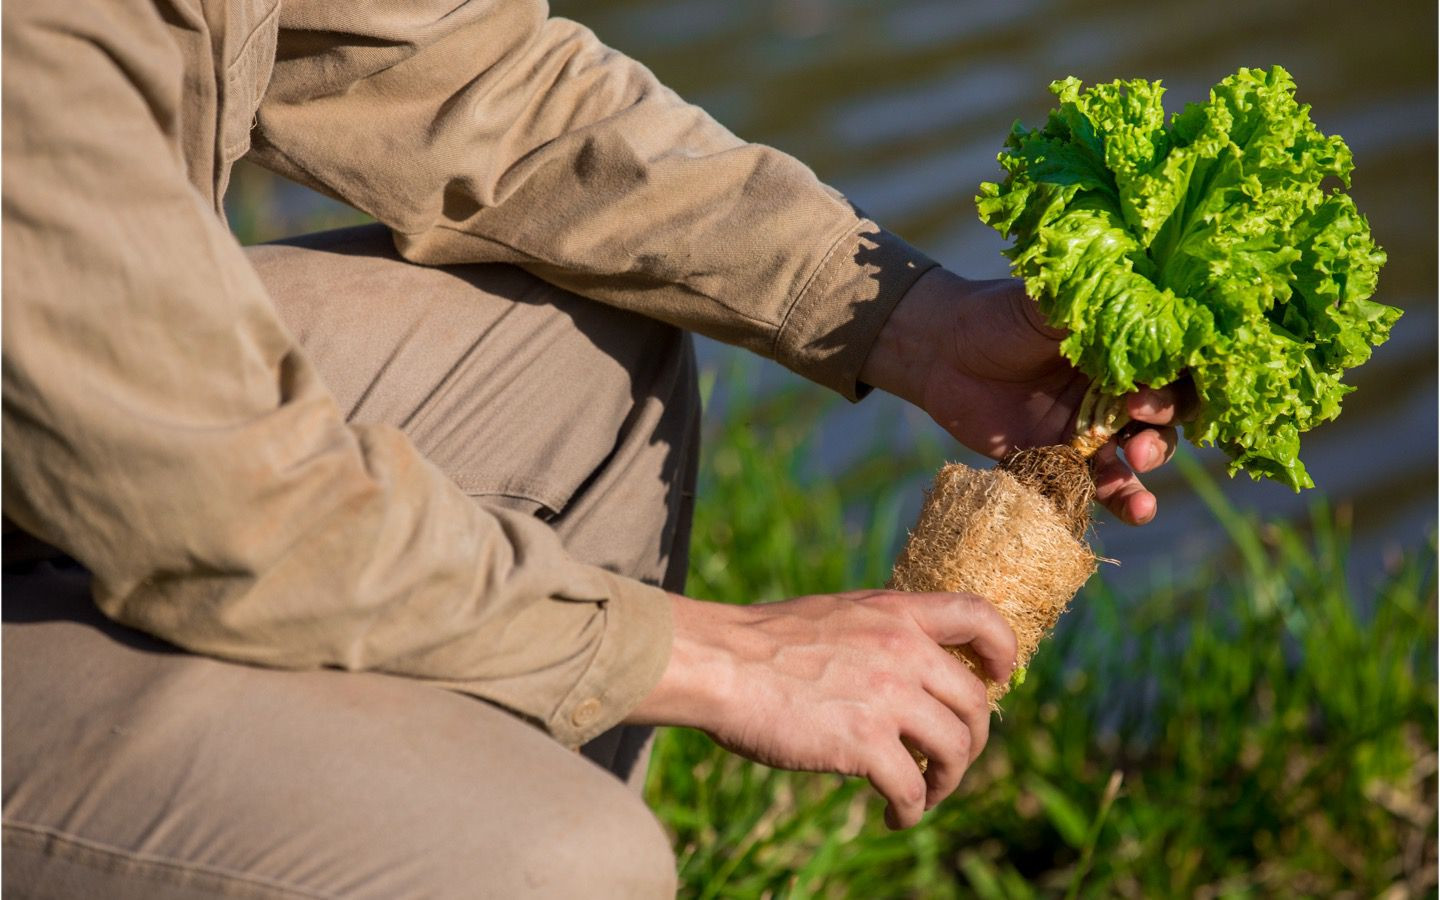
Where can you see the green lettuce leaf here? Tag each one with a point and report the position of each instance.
(1217, 243)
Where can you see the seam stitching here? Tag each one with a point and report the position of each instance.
(55, 836)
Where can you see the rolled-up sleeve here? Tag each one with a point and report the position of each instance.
(162, 426)
(488, 132)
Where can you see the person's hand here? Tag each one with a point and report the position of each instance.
(835, 683)
(979, 358)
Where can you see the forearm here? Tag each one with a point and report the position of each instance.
(489, 133)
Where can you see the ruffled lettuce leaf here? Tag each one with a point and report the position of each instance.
(1217, 243)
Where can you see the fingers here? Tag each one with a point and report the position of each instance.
(948, 742)
(950, 726)
(1147, 447)
(964, 619)
(897, 778)
(949, 718)
(1117, 488)
(964, 697)
(1167, 405)
(1149, 442)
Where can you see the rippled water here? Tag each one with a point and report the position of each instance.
(903, 106)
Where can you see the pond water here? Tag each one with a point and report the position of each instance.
(903, 106)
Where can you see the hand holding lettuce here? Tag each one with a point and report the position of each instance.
(1217, 244)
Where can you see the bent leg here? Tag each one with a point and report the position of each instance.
(526, 395)
(133, 770)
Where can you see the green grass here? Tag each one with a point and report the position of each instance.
(1249, 732)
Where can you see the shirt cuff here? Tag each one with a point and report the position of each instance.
(633, 653)
(833, 323)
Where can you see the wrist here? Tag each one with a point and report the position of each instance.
(699, 678)
(909, 343)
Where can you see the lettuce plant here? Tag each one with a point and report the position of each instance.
(1217, 243)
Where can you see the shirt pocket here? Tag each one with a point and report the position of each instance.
(518, 499)
(246, 76)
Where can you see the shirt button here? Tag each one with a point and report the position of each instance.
(585, 713)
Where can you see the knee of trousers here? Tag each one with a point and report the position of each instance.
(177, 776)
(620, 852)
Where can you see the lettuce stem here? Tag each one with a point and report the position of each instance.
(1099, 418)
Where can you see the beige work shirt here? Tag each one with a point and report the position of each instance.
(161, 425)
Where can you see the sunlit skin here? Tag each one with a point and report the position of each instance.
(841, 682)
(979, 358)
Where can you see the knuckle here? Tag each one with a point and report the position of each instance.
(997, 628)
(915, 793)
(955, 775)
(877, 597)
(963, 741)
(885, 683)
(1010, 644)
(892, 641)
(976, 739)
(981, 608)
(952, 762)
(870, 731)
(911, 792)
(977, 696)
(976, 747)
(974, 696)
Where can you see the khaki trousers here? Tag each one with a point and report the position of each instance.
(135, 770)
